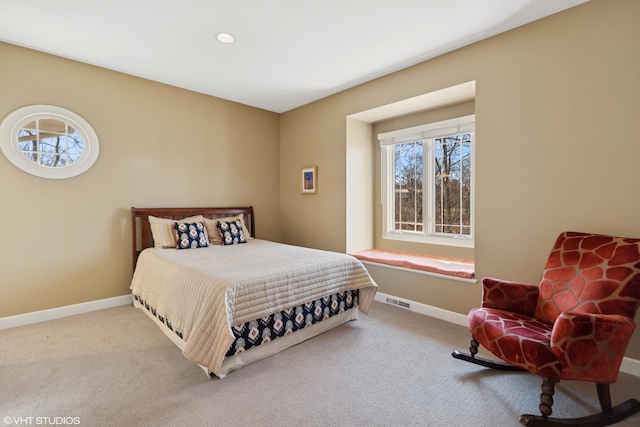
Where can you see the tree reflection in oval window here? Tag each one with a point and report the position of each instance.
(50, 142)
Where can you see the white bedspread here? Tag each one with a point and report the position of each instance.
(205, 291)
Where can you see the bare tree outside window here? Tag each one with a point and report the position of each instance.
(427, 174)
(51, 143)
(453, 184)
(409, 186)
(451, 194)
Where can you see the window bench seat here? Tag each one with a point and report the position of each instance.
(456, 267)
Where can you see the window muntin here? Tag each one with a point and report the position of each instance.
(48, 141)
(427, 183)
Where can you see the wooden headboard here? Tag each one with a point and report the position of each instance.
(140, 221)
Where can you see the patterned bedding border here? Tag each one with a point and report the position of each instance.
(265, 329)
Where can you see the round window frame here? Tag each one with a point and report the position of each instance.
(10, 128)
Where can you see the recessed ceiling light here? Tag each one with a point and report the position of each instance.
(225, 38)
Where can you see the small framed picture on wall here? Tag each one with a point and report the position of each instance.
(309, 180)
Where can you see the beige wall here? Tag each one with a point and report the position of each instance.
(555, 106)
(556, 102)
(68, 241)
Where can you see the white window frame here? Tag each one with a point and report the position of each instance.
(426, 133)
(10, 128)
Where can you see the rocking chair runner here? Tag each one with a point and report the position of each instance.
(575, 325)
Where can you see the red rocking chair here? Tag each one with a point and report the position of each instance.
(575, 325)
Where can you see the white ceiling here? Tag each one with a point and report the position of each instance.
(287, 52)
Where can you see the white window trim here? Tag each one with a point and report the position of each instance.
(465, 124)
(12, 124)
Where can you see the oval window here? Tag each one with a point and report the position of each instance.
(48, 141)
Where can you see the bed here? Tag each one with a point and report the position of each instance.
(235, 299)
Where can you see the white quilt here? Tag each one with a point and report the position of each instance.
(205, 291)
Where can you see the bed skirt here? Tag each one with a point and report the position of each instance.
(264, 337)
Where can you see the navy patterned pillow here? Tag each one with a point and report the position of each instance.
(231, 232)
(191, 235)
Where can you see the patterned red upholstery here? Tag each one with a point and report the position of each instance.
(578, 322)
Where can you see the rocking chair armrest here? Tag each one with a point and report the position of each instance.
(571, 325)
(577, 338)
(509, 296)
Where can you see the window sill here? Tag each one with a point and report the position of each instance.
(430, 240)
(449, 268)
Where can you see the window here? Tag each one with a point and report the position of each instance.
(427, 182)
(48, 141)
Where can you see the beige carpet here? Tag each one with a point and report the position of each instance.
(389, 368)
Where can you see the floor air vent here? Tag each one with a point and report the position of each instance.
(398, 303)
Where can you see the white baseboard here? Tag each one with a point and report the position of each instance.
(57, 313)
(427, 310)
(629, 366)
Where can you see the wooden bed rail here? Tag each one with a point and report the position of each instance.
(140, 221)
